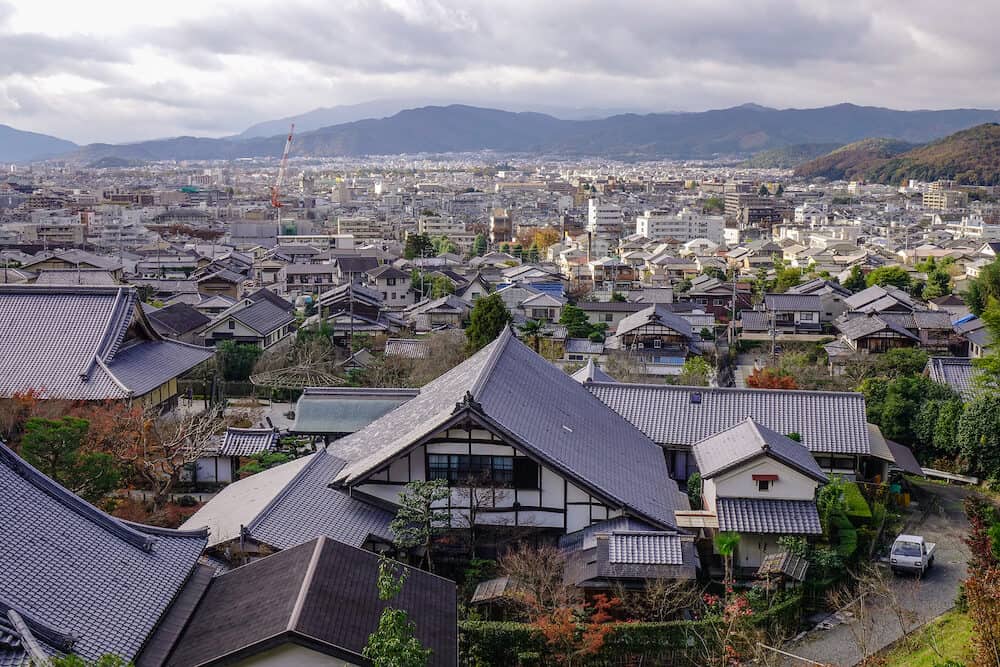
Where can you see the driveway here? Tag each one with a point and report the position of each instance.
(940, 519)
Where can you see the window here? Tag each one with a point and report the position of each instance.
(763, 485)
(657, 343)
(232, 324)
(485, 470)
(390, 282)
(608, 317)
(806, 317)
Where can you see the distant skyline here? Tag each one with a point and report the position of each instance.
(118, 71)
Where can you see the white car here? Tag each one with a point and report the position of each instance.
(911, 553)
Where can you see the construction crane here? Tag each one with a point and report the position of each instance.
(276, 188)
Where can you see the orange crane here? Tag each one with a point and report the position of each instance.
(276, 188)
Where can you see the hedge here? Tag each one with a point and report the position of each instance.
(492, 643)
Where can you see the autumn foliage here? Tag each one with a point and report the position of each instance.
(573, 634)
(770, 378)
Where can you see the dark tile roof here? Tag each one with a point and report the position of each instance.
(407, 348)
(264, 294)
(307, 507)
(956, 372)
(904, 458)
(177, 319)
(247, 441)
(387, 271)
(790, 302)
(827, 421)
(356, 264)
(819, 286)
(749, 440)
(784, 564)
(552, 416)
(71, 342)
(322, 593)
(263, 317)
(766, 515)
(855, 326)
(652, 315)
(71, 567)
(649, 548)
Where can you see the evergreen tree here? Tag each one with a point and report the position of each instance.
(576, 322)
(418, 245)
(56, 447)
(479, 245)
(487, 320)
(856, 280)
(417, 519)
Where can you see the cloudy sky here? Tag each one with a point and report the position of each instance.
(124, 70)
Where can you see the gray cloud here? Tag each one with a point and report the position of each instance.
(230, 68)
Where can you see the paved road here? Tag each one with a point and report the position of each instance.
(923, 599)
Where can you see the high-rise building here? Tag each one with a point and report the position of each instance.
(605, 221)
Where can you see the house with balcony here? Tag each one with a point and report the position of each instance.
(393, 284)
(305, 279)
(785, 314)
(660, 340)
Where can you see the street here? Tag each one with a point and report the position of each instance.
(923, 599)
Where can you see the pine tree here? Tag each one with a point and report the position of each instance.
(488, 319)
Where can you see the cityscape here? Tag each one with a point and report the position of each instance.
(433, 357)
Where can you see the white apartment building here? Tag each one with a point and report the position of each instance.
(604, 220)
(683, 225)
(439, 225)
(975, 226)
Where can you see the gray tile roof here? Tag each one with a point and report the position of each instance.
(956, 372)
(407, 348)
(73, 568)
(754, 320)
(819, 286)
(855, 326)
(655, 548)
(177, 319)
(71, 342)
(766, 515)
(879, 298)
(247, 441)
(75, 277)
(749, 440)
(551, 415)
(322, 593)
(832, 422)
(307, 507)
(655, 315)
(591, 373)
(263, 317)
(793, 302)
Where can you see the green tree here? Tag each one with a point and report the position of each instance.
(901, 361)
(787, 277)
(895, 406)
(983, 288)
(56, 447)
(534, 253)
(262, 461)
(618, 297)
(714, 272)
(73, 660)
(713, 205)
(488, 318)
(780, 191)
(695, 373)
(978, 437)
(988, 366)
(576, 322)
(856, 280)
(725, 544)
(762, 191)
(418, 245)
(533, 329)
(236, 360)
(895, 276)
(479, 245)
(441, 286)
(394, 642)
(938, 284)
(443, 244)
(418, 519)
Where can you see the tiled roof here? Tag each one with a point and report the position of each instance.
(646, 548)
(956, 372)
(754, 320)
(263, 317)
(785, 564)
(75, 277)
(788, 302)
(70, 342)
(177, 319)
(749, 440)
(71, 567)
(591, 373)
(264, 294)
(247, 441)
(656, 314)
(832, 422)
(551, 415)
(307, 507)
(857, 326)
(407, 348)
(322, 593)
(766, 515)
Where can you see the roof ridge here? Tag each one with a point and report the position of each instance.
(303, 593)
(281, 495)
(751, 390)
(495, 353)
(74, 503)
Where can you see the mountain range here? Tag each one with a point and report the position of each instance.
(737, 131)
(970, 156)
(22, 146)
